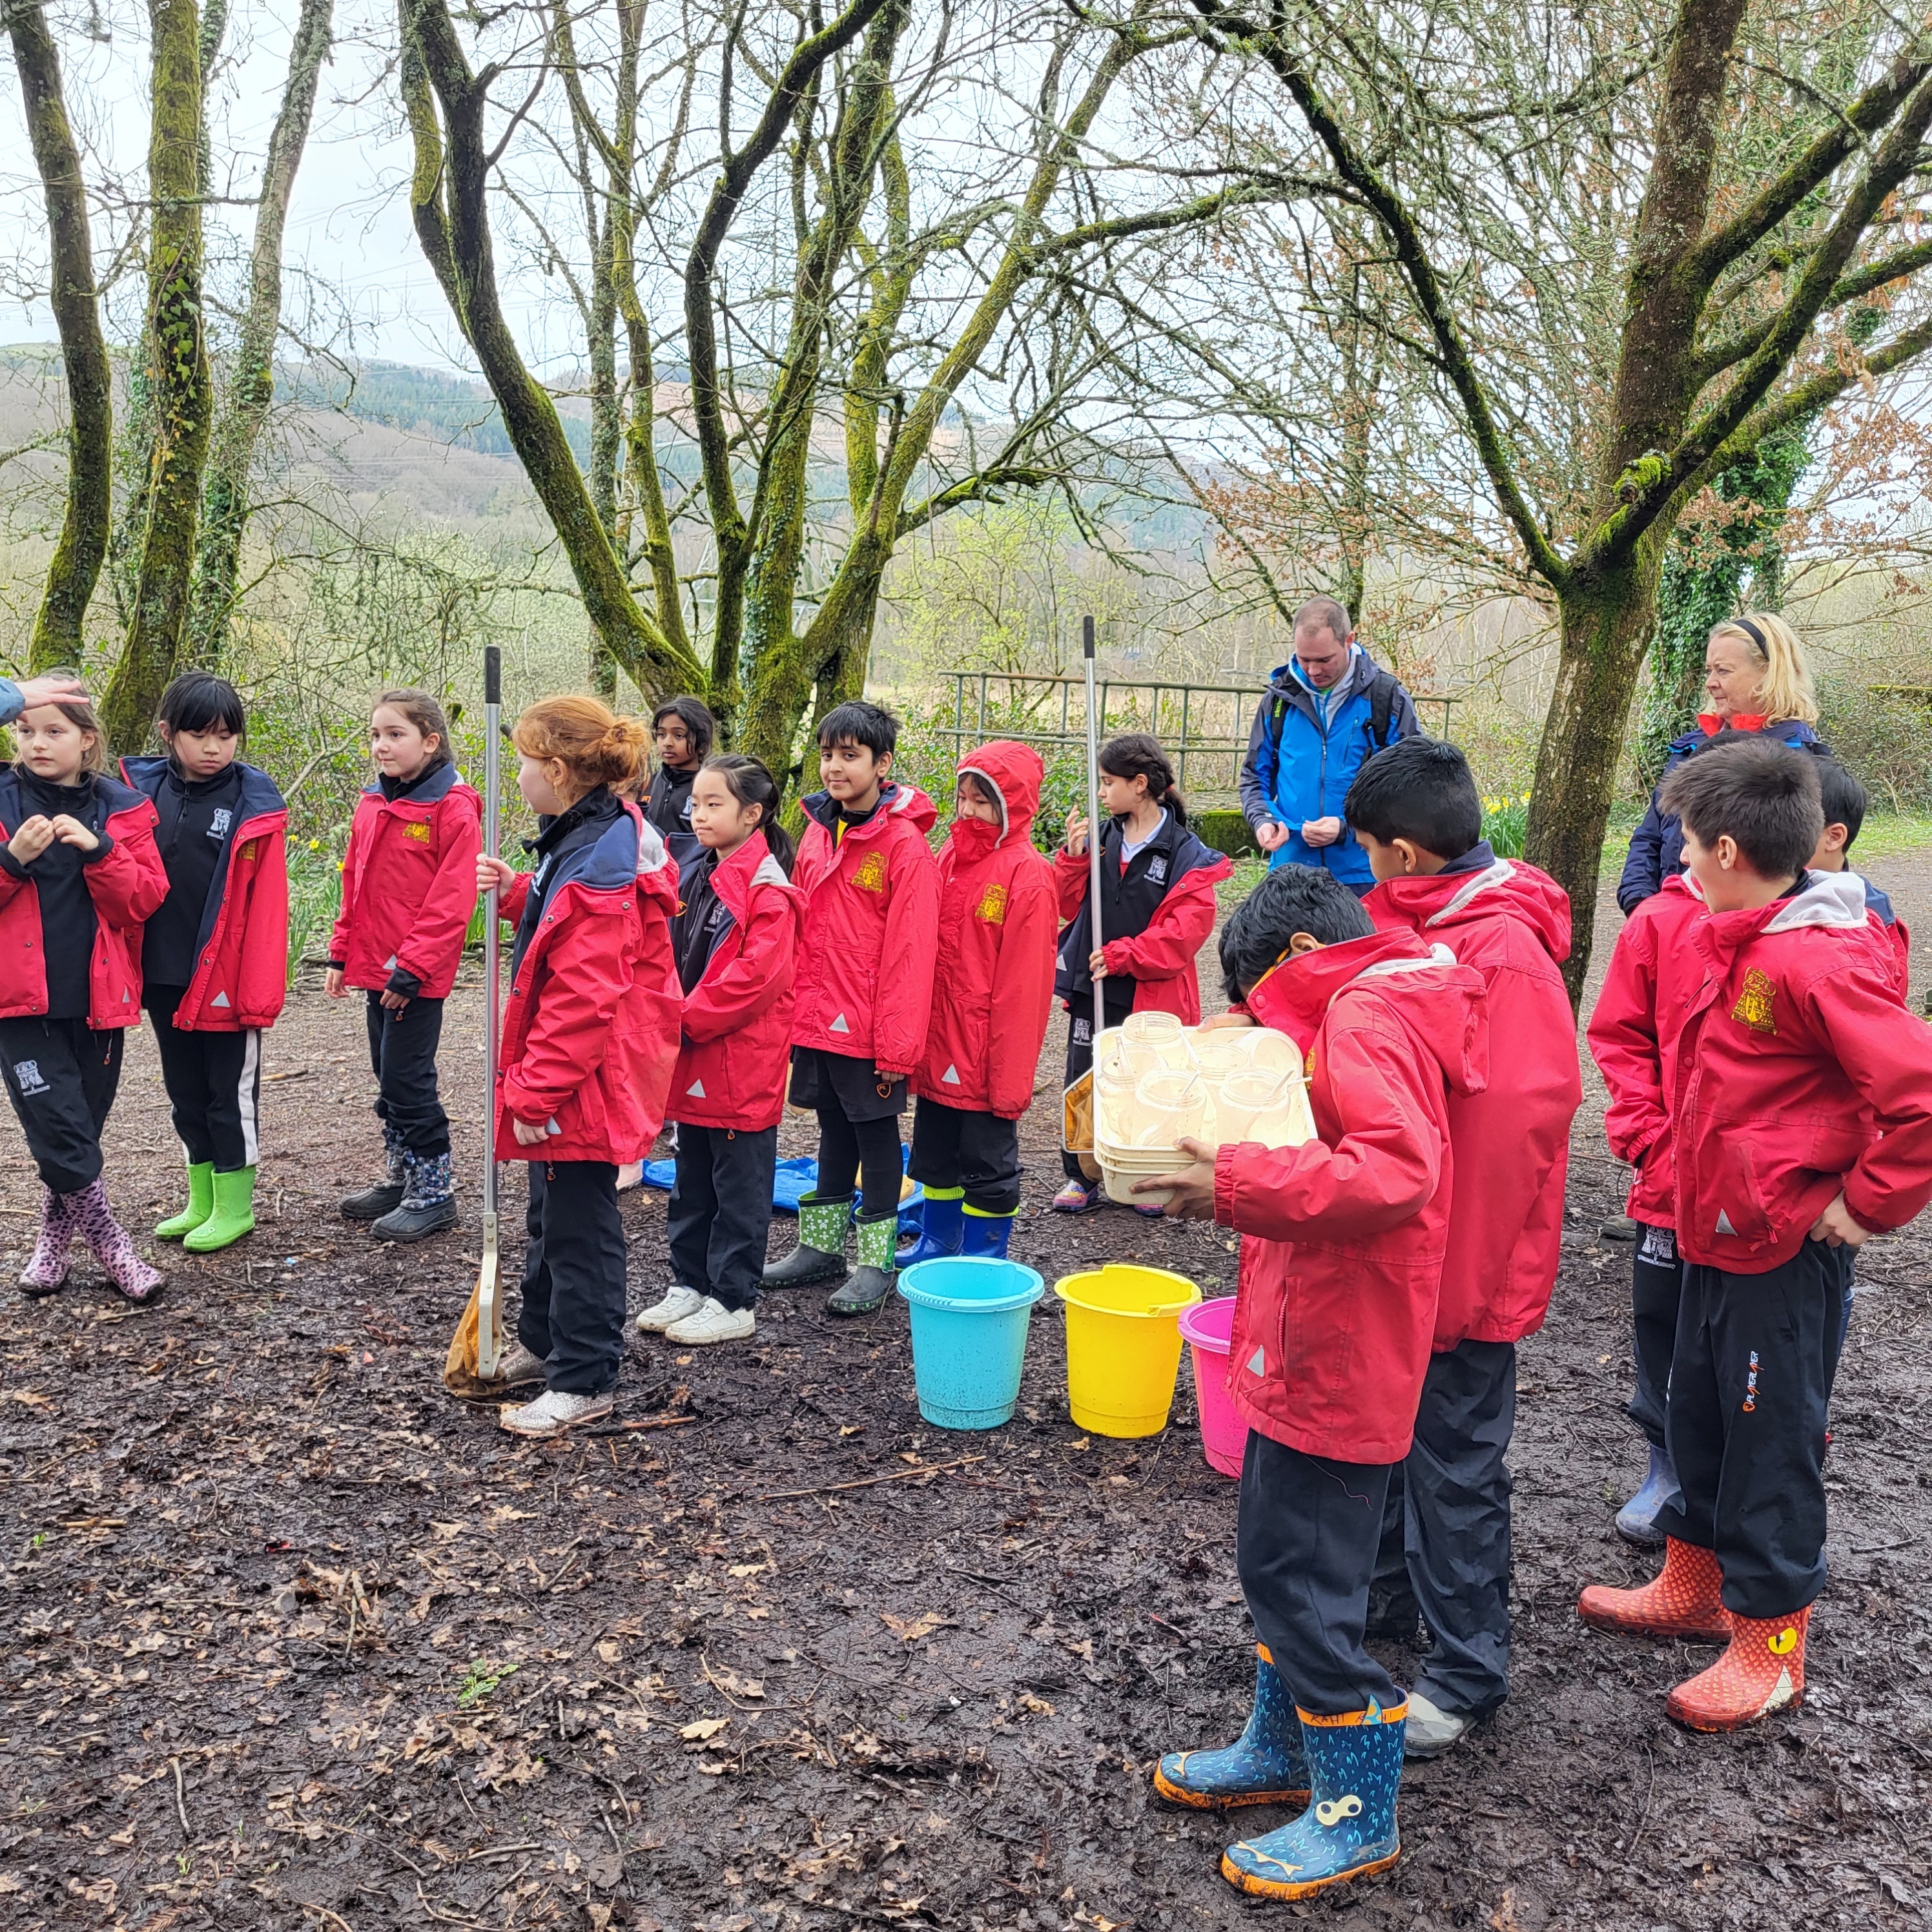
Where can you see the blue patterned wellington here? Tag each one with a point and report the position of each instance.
(942, 1229)
(1354, 1768)
(1264, 1766)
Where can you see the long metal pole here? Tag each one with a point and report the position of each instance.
(489, 1318)
(1094, 843)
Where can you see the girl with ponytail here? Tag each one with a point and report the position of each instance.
(589, 1033)
(737, 954)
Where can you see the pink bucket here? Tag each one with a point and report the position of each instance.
(1224, 1435)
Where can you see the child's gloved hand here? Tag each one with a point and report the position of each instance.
(1190, 1192)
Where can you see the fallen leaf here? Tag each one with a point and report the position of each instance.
(910, 1630)
(705, 1727)
(746, 1569)
(30, 1398)
(1038, 1706)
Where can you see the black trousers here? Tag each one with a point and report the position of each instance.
(402, 1051)
(61, 1076)
(214, 1086)
(574, 1271)
(1446, 1529)
(951, 1147)
(1657, 1285)
(1755, 1358)
(1080, 1054)
(1306, 1548)
(721, 1211)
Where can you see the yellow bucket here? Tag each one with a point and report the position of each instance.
(1124, 1346)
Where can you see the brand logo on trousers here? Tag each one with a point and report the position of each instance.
(1750, 1384)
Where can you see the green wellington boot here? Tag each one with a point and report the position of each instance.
(878, 1269)
(234, 1213)
(200, 1203)
(820, 1255)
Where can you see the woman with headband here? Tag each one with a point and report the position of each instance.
(1755, 679)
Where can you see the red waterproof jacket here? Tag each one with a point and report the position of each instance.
(590, 1030)
(1633, 1036)
(242, 954)
(992, 988)
(409, 885)
(871, 904)
(1798, 1074)
(1345, 1236)
(737, 1019)
(127, 883)
(1511, 922)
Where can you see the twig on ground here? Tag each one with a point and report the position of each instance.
(631, 1428)
(867, 1482)
(181, 1800)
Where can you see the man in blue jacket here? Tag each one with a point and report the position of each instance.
(1328, 709)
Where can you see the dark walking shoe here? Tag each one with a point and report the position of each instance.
(872, 1280)
(386, 1196)
(820, 1255)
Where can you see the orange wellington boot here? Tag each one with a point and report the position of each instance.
(1762, 1671)
(1682, 1602)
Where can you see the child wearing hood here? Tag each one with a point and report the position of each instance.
(992, 991)
(1341, 1264)
(1415, 813)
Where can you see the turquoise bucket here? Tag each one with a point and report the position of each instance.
(970, 1319)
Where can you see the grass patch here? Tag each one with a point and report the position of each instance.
(1887, 835)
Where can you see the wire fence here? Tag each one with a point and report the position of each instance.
(1203, 728)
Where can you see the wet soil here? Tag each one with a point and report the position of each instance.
(291, 1640)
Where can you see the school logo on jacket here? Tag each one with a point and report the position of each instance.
(219, 820)
(1753, 1008)
(418, 830)
(992, 906)
(869, 874)
(1156, 870)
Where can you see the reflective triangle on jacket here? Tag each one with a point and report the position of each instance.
(838, 1025)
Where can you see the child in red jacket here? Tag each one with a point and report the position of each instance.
(865, 996)
(1801, 1107)
(992, 990)
(409, 888)
(737, 937)
(1632, 1035)
(79, 874)
(590, 1032)
(214, 957)
(1415, 814)
(1341, 1264)
(1157, 907)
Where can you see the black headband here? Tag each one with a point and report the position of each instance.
(1756, 636)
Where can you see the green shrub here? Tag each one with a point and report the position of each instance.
(1225, 831)
(1506, 823)
(315, 898)
(1884, 739)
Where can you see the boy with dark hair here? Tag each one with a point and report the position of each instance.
(1446, 1541)
(1339, 1274)
(1802, 1115)
(864, 995)
(1844, 802)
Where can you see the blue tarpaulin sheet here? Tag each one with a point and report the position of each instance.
(793, 1178)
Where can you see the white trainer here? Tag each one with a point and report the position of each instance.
(517, 1367)
(1431, 1731)
(711, 1320)
(678, 1302)
(552, 1413)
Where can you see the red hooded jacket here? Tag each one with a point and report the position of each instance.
(127, 883)
(242, 954)
(1632, 1035)
(1511, 922)
(872, 903)
(992, 987)
(409, 885)
(1159, 958)
(737, 1019)
(1798, 1074)
(1344, 1235)
(590, 1030)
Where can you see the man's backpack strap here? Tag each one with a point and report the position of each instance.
(1382, 689)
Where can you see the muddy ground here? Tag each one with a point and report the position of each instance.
(291, 1640)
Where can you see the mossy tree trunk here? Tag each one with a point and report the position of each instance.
(59, 632)
(181, 391)
(251, 387)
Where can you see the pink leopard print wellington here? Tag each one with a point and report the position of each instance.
(107, 1241)
(46, 1270)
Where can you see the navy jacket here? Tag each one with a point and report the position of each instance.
(1656, 846)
